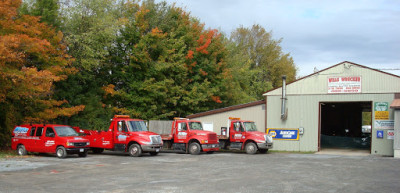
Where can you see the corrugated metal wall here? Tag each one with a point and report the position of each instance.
(253, 113)
(305, 95)
(303, 111)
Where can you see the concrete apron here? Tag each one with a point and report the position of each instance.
(349, 152)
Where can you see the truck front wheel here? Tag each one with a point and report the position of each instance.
(251, 148)
(135, 150)
(21, 150)
(194, 148)
(61, 152)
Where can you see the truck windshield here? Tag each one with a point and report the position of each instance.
(135, 126)
(250, 126)
(63, 131)
(195, 126)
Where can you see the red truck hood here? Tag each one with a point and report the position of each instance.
(75, 139)
(256, 134)
(142, 133)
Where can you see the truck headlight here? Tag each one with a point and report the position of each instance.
(204, 141)
(70, 144)
(88, 143)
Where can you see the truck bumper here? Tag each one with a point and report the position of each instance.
(151, 148)
(264, 145)
(210, 147)
(77, 150)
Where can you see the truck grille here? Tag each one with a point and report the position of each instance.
(80, 144)
(212, 136)
(156, 139)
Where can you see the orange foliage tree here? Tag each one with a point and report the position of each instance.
(32, 58)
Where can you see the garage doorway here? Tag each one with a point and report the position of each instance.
(345, 125)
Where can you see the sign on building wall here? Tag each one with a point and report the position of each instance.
(390, 134)
(387, 124)
(284, 134)
(344, 84)
(381, 110)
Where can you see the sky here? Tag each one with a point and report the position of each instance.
(317, 33)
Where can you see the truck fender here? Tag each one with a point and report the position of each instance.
(248, 141)
(191, 141)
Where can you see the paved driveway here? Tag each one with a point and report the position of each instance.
(219, 172)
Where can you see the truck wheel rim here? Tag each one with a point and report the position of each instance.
(134, 150)
(59, 152)
(250, 148)
(20, 151)
(194, 148)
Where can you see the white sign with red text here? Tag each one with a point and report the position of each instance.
(344, 84)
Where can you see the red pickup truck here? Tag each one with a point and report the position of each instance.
(188, 136)
(59, 139)
(126, 135)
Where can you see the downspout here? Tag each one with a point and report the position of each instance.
(283, 106)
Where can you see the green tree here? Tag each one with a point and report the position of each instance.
(48, 10)
(90, 29)
(166, 64)
(257, 61)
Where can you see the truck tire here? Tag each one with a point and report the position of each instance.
(135, 150)
(21, 150)
(83, 154)
(194, 148)
(251, 148)
(153, 153)
(97, 150)
(263, 150)
(61, 152)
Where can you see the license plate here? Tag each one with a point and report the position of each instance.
(157, 150)
(81, 150)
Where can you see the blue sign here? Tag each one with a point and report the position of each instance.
(379, 134)
(284, 134)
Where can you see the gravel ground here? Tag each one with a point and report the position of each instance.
(218, 172)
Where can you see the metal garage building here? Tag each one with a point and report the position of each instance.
(327, 109)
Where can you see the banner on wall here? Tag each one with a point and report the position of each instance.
(284, 134)
(344, 84)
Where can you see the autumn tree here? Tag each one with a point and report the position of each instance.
(32, 58)
(257, 61)
(166, 64)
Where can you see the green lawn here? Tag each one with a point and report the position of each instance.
(8, 153)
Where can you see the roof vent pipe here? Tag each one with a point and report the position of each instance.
(283, 107)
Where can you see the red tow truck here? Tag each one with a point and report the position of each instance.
(59, 139)
(188, 136)
(126, 135)
(243, 135)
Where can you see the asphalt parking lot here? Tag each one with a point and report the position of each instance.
(218, 172)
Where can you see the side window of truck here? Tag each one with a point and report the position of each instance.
(182, 127)
(49, 132)
(122, 126)
(39, 131)
(33, 129)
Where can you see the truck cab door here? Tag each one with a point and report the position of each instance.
(181, 134)
(38, 144)
(121, 136)
(236, 132)
(49, 141)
